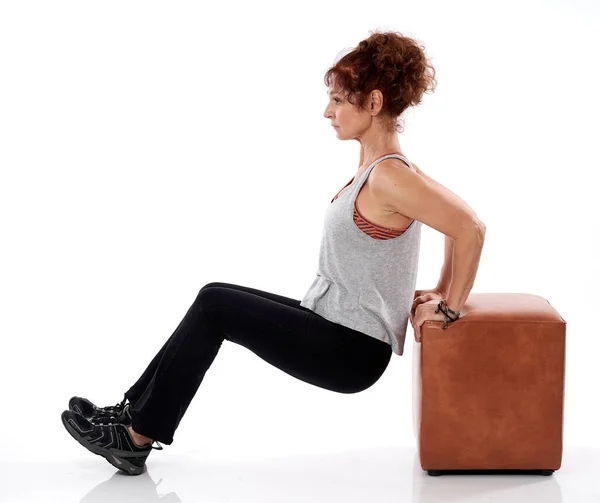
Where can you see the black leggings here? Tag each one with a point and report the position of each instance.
(276, 328)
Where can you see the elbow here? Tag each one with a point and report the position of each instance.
(474, 232)
(480, 227)
(480, 233)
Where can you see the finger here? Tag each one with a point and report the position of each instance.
(415, 303)
(422, 299)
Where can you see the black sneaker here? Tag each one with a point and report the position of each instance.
(88, 410)
(108, 438)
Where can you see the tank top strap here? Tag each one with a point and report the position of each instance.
(367, 171)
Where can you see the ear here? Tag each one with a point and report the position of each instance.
(376, 100)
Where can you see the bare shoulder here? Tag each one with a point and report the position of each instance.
(415, 195)
(413, 164)
(394, 162)
(418, 170)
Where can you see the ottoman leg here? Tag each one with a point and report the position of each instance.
(437, 473)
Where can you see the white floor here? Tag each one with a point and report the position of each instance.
(378, 475)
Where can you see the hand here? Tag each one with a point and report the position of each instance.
(425, 311)
(422, 296)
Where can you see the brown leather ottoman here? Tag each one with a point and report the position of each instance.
(488, 391)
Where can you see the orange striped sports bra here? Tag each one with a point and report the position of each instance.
(373, 230)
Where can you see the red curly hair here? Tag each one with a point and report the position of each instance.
(390, 62)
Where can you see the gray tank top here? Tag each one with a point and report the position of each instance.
(364, 283)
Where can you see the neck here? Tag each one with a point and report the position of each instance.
(368, 155)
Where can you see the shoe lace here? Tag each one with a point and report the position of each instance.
(111, 410)
(104, 421)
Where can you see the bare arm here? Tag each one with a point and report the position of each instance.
(467, 252)
(446, 273)
(418, 196)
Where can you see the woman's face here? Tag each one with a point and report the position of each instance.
(348, 121)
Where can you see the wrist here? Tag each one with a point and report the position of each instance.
(451, 301)
(443, 290)
(449, 317)
(447, 310)
(451, 308)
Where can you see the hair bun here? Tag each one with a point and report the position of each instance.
(388, 61)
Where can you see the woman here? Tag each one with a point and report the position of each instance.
(341, 334)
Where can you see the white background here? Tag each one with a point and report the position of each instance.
(148, 148)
